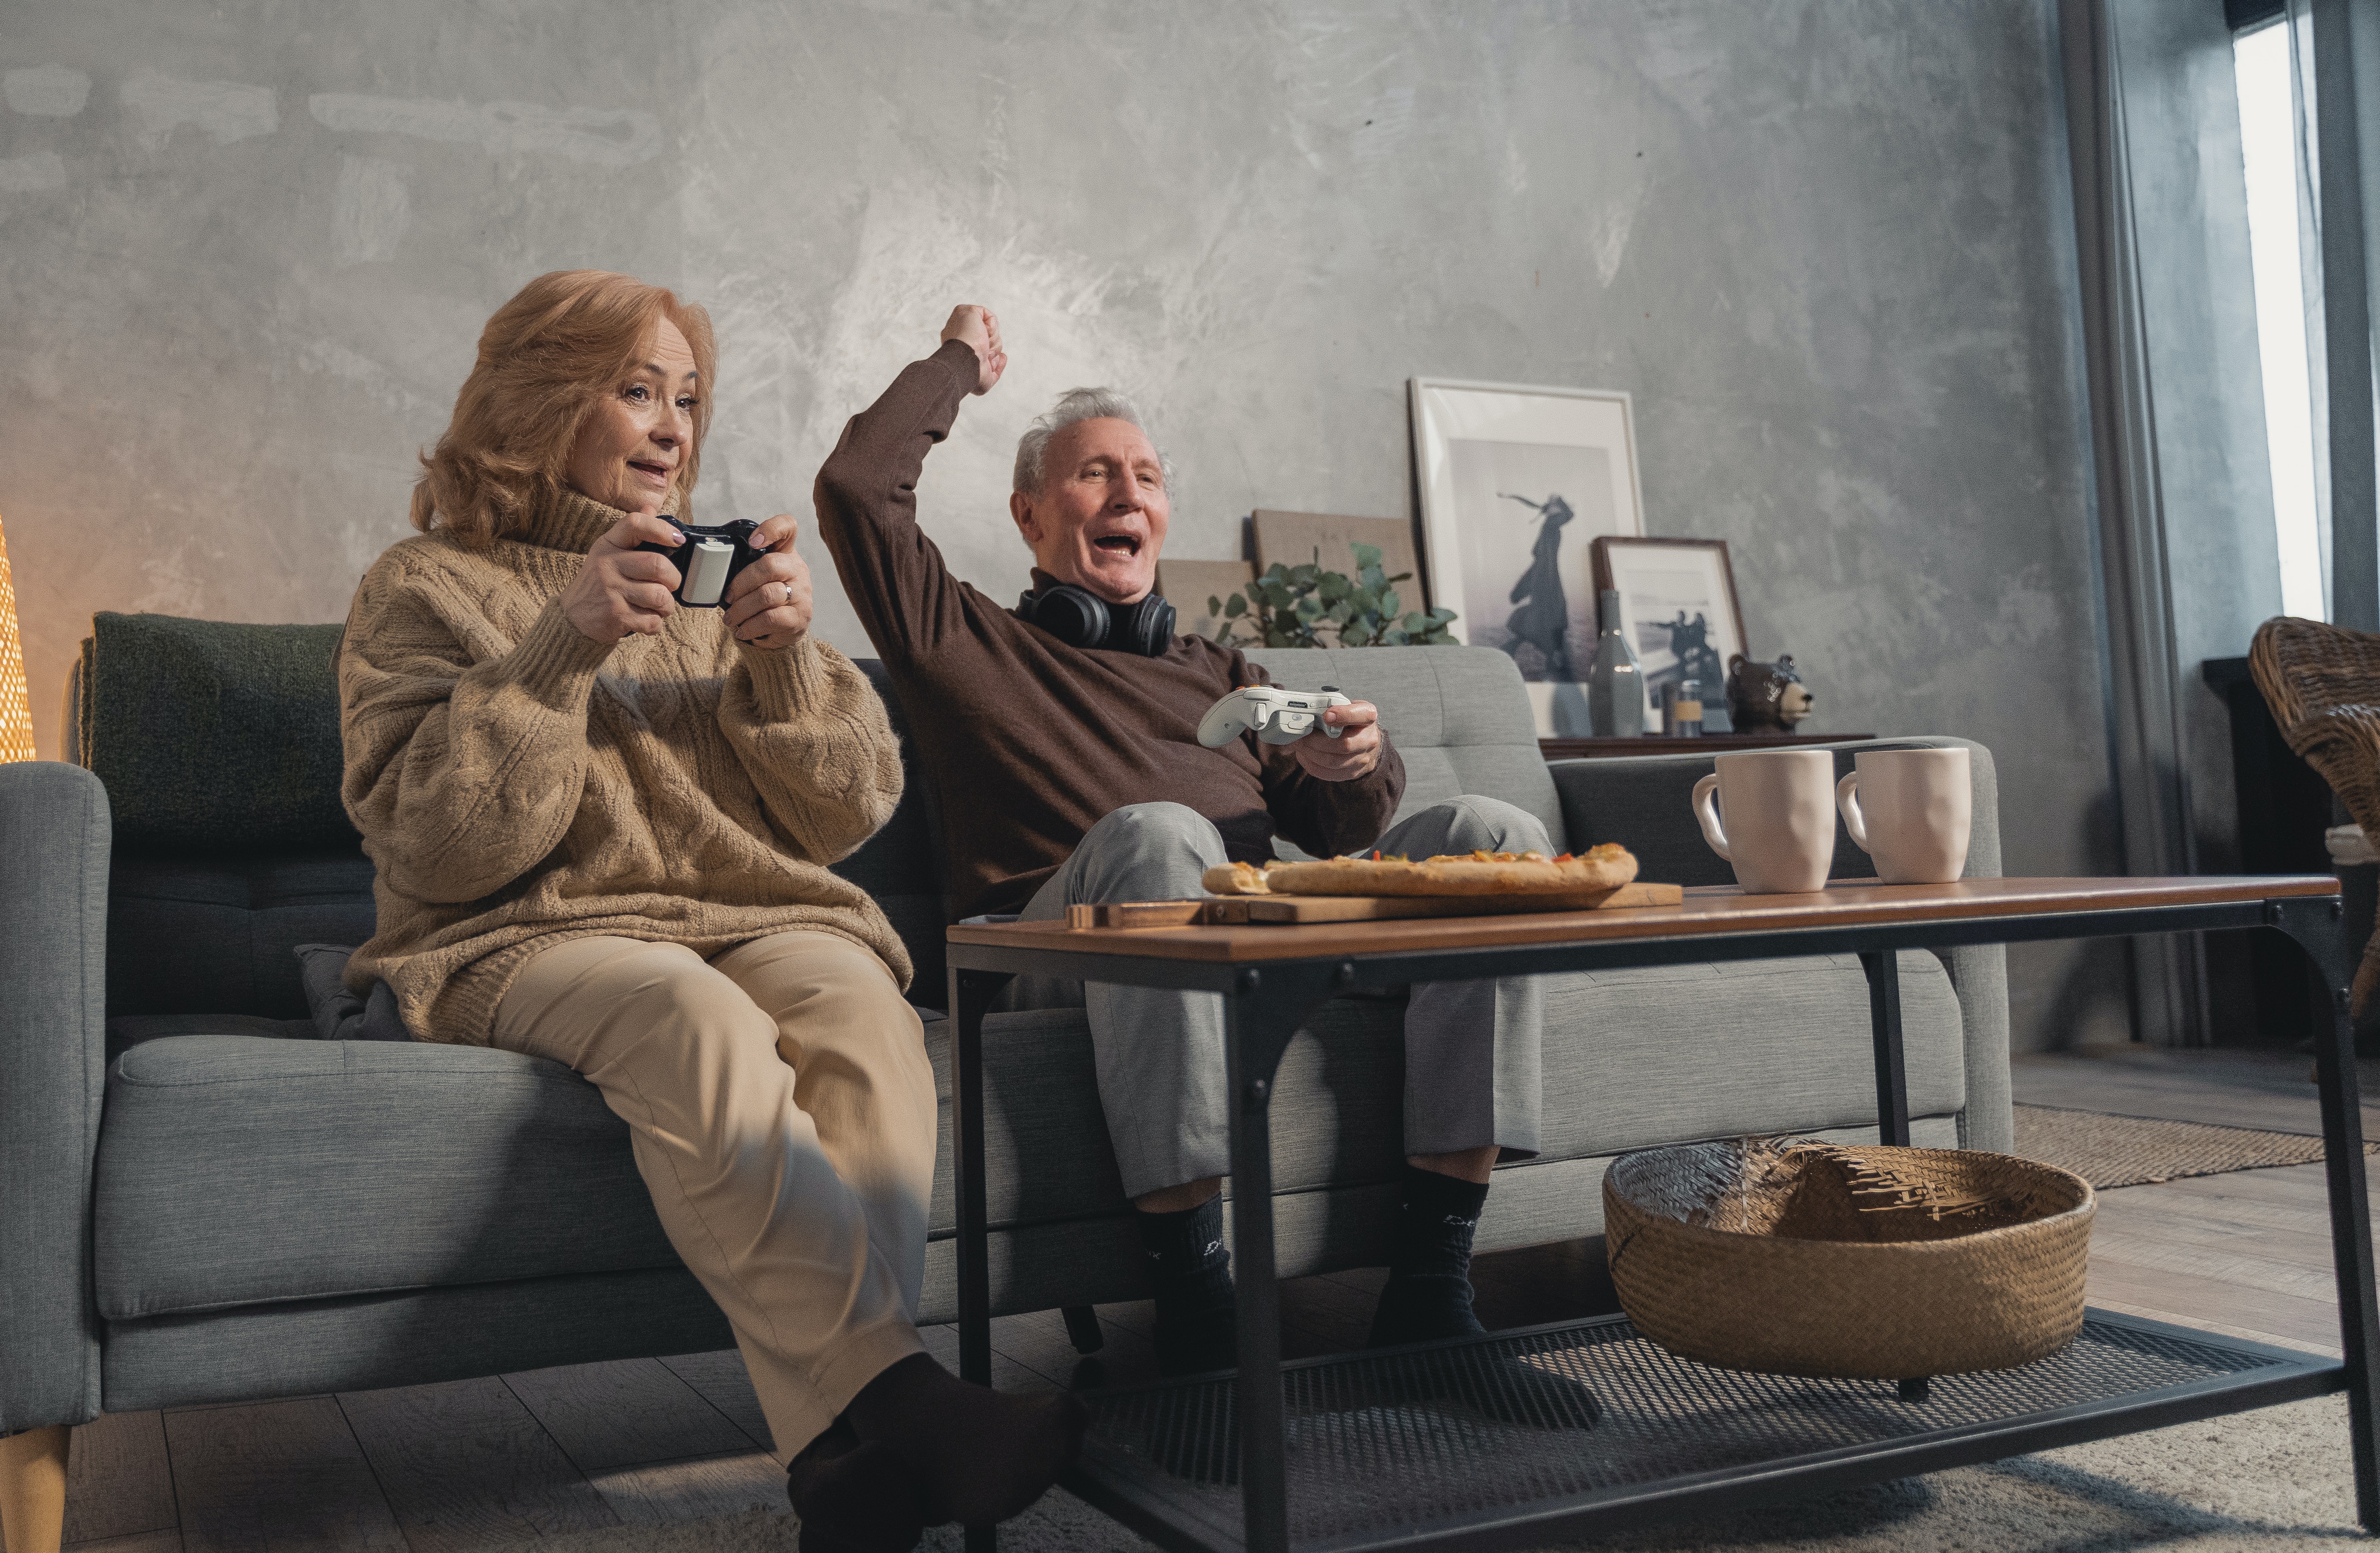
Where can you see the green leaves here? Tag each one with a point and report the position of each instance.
(1305, 606)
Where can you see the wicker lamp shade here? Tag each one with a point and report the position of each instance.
(15, 700)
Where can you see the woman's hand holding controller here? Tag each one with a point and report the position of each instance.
(769, 604)
(620, 588)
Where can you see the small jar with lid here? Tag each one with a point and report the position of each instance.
(1681, 711)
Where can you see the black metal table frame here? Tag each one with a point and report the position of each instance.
(1266, 1004)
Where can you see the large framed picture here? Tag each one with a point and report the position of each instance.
(1516, 481)
(1678, 607)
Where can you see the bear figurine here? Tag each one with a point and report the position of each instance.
(1766, 697)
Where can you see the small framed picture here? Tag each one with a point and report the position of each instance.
(1515, 482)
(1677, 603)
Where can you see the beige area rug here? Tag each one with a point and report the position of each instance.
(2135, 1150)
(2275, 1479)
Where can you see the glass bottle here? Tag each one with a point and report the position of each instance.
(1615, 687)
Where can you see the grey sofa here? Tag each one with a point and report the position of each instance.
(205, 1202)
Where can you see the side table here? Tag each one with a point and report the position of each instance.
(1209, 1463)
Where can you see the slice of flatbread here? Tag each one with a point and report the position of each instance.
(1480, 873)
(1235, 879)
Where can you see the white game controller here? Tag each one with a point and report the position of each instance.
(1274, 715)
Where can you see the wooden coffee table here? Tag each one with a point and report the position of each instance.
(1379, 1461)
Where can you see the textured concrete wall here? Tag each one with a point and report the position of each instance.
(249, 248)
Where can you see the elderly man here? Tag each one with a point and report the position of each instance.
(1062, 739)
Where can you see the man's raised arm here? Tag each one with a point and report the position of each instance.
(867, 491)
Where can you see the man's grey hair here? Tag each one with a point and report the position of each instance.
(1076, 404)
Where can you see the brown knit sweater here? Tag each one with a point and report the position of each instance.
(518, 784)
(1031, 742)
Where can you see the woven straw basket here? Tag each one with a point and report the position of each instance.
(1797, 1258)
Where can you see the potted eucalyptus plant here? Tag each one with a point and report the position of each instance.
(1297, 606)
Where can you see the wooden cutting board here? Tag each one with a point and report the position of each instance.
(1234, 909)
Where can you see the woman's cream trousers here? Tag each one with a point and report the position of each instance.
(782, 1112)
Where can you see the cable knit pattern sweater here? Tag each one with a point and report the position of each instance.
(518, 784)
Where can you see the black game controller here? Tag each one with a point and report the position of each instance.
(707, 562)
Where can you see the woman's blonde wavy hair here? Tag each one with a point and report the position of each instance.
(546, 358)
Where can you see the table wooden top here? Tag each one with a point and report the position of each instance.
(1706, 910)
(1701, 744)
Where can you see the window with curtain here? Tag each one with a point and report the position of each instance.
(2268, 124)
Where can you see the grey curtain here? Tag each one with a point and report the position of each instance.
(2182, 487)
(2140, 672)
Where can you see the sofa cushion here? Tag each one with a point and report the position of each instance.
(214, 735)
(1633, 1059)
(215, 933)
(1460, 716)
(1640, 1057)
(235, 1170)
(127, 1030)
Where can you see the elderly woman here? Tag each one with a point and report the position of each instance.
(602, 825)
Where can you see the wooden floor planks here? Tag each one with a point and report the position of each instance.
(720, 1379)
(272, 1476)
(464, 1464)
(667, 1493)
(627, 1412)
(2228, 1088)
(473, 1464)
(118, 1481)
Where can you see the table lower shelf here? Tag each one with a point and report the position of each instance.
(1462, 1443)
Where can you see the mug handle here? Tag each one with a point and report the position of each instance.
(1707, 812)
(1846, 802)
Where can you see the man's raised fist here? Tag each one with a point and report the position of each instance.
(979, 328)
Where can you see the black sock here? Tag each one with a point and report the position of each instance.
(969, 1453)
(854, 1496)
(1428, 1292)
(1428, 1297)
(1196, 1317)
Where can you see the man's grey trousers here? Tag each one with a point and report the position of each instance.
(1472, 1054)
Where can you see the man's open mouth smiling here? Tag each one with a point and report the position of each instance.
(1118, 544)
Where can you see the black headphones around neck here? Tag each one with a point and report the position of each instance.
(1081, 618)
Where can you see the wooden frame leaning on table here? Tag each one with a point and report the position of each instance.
(1679, 608)
(1515, 480)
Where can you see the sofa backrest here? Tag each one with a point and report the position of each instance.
(211, 890)
(219, 745)
(1459, 715)
(208, 900)
(899, 864)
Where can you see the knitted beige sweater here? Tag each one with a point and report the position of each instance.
(518, 784)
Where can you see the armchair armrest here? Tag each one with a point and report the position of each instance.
(54, 858)
(1642, 802)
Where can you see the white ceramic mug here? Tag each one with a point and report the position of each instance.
(1775, 819)
(1911, 810)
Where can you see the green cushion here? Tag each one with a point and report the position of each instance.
(213, 734)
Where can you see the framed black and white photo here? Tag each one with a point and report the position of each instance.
(1678, 606)
(1516, 482)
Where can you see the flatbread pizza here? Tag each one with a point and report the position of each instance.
(1477, 873)
(1235, 879)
